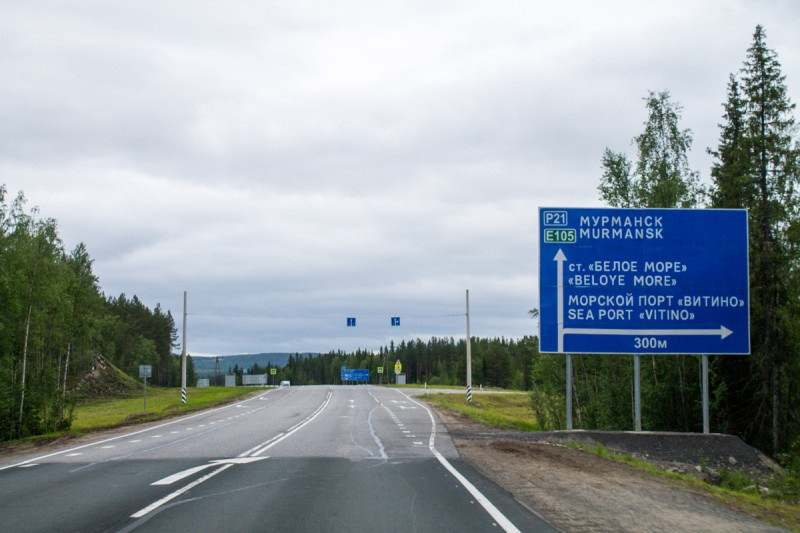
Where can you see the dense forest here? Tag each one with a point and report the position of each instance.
(54, 319)
(505, 363)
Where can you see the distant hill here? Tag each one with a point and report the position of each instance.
(205, 366)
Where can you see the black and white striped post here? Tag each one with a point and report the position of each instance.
(183, 354)
(469, 356)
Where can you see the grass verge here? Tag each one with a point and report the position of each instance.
(509, 410)
(94, 414)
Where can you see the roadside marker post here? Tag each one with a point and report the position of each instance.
(469, 356)
(183, 354)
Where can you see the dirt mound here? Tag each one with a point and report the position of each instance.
(104, 380)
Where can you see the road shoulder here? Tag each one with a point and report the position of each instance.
(578, 491)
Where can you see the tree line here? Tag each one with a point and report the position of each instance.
(496, 362)
(54, 320)
(757, 167)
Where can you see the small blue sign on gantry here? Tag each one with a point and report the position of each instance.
(395, 321)
(644, 281)
(351, 322)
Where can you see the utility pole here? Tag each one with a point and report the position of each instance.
(469, 356)
(183, 354)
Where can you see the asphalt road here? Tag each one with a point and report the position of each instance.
(342, 458)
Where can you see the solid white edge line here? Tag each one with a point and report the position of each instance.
(126, 435)
(155, 505)
(493, 511)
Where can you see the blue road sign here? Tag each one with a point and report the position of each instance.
(351, 322)
(395, 321)
(644, 281)
(354, 374)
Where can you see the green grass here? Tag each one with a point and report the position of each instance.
(93, 414)
(422, 386)
(509, 410)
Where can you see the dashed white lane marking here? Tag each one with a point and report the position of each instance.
(135, 440)
(107, 447)
(73, 454)
(28, 465)
(156, 437)
(174, 432)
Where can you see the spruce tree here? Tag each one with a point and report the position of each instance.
(757, 168)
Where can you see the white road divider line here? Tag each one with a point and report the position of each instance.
(272, 442)
(169, 480)
(227, 463)
(155, 505)
(490, 508)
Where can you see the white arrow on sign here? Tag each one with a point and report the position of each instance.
(560, 258)
(722, 331)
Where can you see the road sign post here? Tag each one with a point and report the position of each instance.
(398, 369)
(643, 281)
(145, 371)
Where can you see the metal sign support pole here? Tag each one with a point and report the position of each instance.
(706, 428)
(569, 392)
(145, 393)
(469, 356)
(637, 394)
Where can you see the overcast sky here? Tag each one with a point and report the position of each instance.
(290, 164)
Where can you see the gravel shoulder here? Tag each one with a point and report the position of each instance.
(579, 491)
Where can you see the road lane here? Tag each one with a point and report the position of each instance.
(304, 459)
